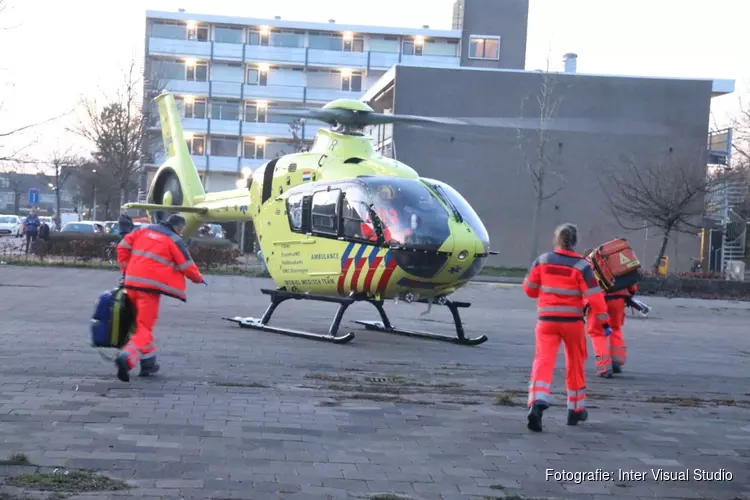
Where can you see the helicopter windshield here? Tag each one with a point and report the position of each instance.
(462, 209)
(408, 212)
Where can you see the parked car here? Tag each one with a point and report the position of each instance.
(11, 225)
(111, 226)
(84, 226)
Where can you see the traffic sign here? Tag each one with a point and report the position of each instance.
(33, 196)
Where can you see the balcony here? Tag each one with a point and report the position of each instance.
(223, 164)
(320, 95)
(187, 87)
(226, 89)
(289, 55)
(228, 51)
(275, 92)
(173, 47)
(251, 163)
(270, 130)
(225, 127)
(443, 61)
(336, 58)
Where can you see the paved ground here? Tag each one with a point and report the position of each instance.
(244, 414)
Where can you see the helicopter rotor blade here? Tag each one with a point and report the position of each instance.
(586, 125)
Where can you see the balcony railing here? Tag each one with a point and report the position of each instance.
(300, 56)
(287, 93)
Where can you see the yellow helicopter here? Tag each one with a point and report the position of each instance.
(339, 223)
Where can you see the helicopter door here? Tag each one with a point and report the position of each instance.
(355, 216)
(326, 212)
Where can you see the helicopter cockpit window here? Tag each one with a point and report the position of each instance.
(355, 215)
(294, 210)
(409, 213)
(325, 213)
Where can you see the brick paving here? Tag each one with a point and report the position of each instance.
(243, 414)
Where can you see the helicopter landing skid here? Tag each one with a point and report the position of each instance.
(460, 338)
(279, 296)
(385, 326)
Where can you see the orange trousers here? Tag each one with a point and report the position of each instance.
(141, 344)
(610, 349)
(549, 334)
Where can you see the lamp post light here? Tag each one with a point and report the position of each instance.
(93, 210)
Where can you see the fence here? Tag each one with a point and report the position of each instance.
(99, 250)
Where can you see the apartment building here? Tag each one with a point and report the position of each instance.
(228, 73)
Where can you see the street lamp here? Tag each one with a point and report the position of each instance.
(93, 211)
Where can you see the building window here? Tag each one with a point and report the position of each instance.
(413, 47)
(166, 29)
(225, 109)
(224, 146)
(257, 76)
(197, 33)
(226, 34)
(196, 71)
(351, 82)
(194, 108)
(326, 42)
(352, 44)
(256, 112)
(258, 37)
(196, 145)
(484, 47)
(288, 39)
(254, 149)
(325, 212)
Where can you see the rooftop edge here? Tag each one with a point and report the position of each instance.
(281, 23)
(719, 87)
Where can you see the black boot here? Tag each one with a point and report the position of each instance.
(149, 366)
(616, 367)
(535, 417)
(123, 367)
(575, 417)
(607, 374)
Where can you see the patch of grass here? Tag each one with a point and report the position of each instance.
(497, 487)
(464, 402)
(16, 459)
(389, 496)
(72, 481)
(687, 401)
(383, 398)
(241, 384)
(505, 272)
(505, 399)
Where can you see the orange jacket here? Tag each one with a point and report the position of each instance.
(564, 283)
(155, 258)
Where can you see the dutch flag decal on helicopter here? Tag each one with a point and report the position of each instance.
(306, 175)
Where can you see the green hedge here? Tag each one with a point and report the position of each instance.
(206, 252)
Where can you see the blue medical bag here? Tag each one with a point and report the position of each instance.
(113, 321)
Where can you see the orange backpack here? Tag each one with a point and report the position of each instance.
(616, 265)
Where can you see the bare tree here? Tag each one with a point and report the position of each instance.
(668, 193)
(57, 171)
(542, 155)
(117, 130)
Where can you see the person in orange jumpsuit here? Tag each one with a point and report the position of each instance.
(563, 283)
(155, 261)
(610, 351)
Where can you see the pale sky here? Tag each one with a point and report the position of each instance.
(55, 51)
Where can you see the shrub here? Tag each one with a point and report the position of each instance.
(211, 253)
(206, 252)
(80, 246)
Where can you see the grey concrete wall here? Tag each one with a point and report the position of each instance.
(487, 165)
(507, 19)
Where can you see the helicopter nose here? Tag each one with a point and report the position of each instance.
(468, 254)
